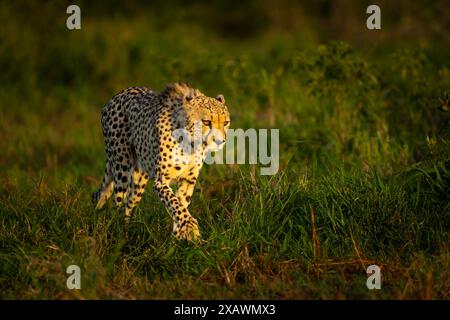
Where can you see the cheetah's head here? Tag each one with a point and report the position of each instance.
(209, 114)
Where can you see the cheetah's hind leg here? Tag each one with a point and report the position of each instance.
(137, 187)
(100, 197)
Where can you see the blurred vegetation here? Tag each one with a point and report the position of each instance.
(364, 149)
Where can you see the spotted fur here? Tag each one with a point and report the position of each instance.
(138, 126)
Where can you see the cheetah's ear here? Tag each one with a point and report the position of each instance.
(220, 98)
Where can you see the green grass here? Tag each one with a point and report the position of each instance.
(364, 161)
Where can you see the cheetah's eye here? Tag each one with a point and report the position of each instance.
(206, 122)
(225, 123)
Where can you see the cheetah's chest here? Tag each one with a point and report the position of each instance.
(183, 165)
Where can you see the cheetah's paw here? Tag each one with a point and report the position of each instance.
(187, 229)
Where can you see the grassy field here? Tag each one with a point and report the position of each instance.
(364, 151)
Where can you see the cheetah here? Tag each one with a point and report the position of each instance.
(139, 127)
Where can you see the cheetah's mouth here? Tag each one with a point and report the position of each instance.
(213, 146)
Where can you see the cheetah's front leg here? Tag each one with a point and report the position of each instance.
(184, 225)
(185, 190)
